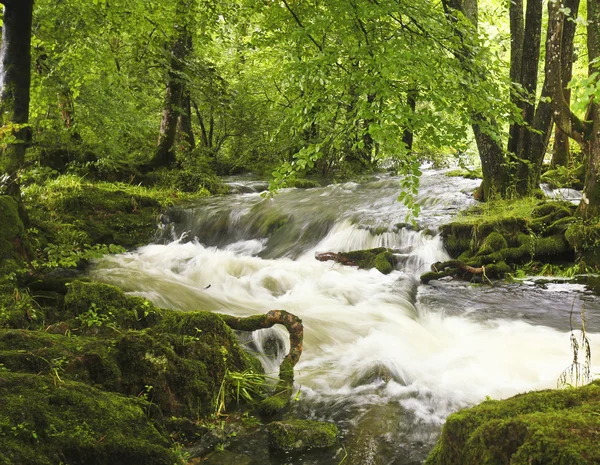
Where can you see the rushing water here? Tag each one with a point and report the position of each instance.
(384, 357)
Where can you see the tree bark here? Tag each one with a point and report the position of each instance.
(496, 181)
(517, 37)
(15, 79)
(165, 152)
(185, 123)
(408, 136)
(291, 322)
(561, 155)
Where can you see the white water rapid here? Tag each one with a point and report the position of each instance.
(382, 355)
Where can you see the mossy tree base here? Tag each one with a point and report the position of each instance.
(553, 427)
(494, 246)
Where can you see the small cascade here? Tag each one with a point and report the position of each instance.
(373, 343)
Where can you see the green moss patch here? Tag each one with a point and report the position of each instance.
(43, 421)
(498, 238)
(124, 344)
(299, 435)
(543, 428)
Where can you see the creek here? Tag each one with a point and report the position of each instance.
(385, 358)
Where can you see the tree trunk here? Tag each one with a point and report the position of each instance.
(408, 136)
(496, 180)
(527, 176)
(185, 123)
(165, 152)
(517, 37)
(15, 79)
(590, 203)
(561, 155)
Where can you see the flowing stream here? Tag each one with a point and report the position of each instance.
(384, 357)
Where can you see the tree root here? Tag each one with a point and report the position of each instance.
(291, 322)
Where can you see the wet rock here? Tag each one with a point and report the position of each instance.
(300, 435)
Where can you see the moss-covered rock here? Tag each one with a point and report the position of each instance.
(495, 239)
(299, 435)
(124, 344)
(549, 427)
(45, 421)
(584, 237)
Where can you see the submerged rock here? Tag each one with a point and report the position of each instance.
(549, 427)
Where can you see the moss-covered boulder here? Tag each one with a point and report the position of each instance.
(124, 344)
(85, 213)
(44, 421)
(552, 427)
(494, 242)
(299, 435)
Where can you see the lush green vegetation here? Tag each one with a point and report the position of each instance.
(113, 110)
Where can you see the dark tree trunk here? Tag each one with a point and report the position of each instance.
(527, 176)
(496, 180)
(203, 133)
(165, 152)
(185, 123)
(15, 79)
(561, 155)
(408, 136)
(590, 203)
(585, 132)
(517, 36)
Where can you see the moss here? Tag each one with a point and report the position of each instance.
(465, 173)
(92, 306)
(182, 356)
(275, 403)
(69, 209)
(47, 422)
(494, 242)
(544, 428)
(380, 258)
(584, 237)
(299, 435)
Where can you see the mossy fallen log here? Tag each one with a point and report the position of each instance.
(380, 258)
(552, 427)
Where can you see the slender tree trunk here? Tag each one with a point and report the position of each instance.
(517, 37)
(585, 132)
(180, 49)
(15, 79)
(590, 203)
(408, 136)
(527, 176)
(496, 180)
(185, 123)
(561, 155)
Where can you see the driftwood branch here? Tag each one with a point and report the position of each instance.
(291, 322)
(336, 257)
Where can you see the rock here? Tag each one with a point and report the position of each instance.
(548, 427)
(300, 435)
